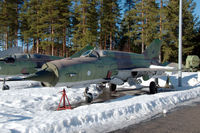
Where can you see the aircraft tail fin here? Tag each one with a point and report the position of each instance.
(78, 54)
(153, 50)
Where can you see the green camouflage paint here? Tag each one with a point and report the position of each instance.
(94, 65)
(29, 63)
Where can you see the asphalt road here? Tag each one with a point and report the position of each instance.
(184, 119)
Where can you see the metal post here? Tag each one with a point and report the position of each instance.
(180, 46)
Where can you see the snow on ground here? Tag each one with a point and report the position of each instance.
(33, 109)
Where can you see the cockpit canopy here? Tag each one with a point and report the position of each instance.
(91, 53)
(95, 53)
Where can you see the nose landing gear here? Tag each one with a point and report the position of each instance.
(88, 96)
(5, 86)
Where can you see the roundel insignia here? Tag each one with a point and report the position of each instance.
(89, 73)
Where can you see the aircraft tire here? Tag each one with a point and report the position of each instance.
(5, 87)
(153, 88)
(89, 98)
(112, 87)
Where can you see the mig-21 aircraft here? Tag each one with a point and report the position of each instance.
(22, 63)
(101, 66)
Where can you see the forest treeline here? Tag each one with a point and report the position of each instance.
(62, 27)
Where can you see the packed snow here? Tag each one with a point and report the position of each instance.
(26, 107)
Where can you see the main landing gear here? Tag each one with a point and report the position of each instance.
(153, 88)
(5, 86)
(112, 87)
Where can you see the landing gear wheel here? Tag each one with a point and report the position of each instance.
(112, 87)
(153, 88)
(88, 98)
(5, 87)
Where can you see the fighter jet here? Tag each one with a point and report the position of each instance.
(100, 67)
(18, 63)
(21, 63)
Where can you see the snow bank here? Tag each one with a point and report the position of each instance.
(32, 110)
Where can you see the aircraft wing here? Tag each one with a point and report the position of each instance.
(155, 68)
(152, 71)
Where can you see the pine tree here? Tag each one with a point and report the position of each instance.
(33, 15)
(171, 38)
(136, 16)
(151, 31)
(92, 21)
(196, 40)
(86, 26)
(64, 20)
(24, 25)
(81, 14)
(49, 16)
(9, 11)
(109, 18)
(128, 21)
(103, 23)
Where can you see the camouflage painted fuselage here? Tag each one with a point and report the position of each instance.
(29, 63)
(97, 66)
(94, 69)
(24, 63)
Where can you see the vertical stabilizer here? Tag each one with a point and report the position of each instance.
(153, 50)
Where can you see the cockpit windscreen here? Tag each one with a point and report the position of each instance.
(91, 53)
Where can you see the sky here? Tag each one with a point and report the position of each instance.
(197, 9)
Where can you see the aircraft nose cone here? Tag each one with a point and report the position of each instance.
(47, 76)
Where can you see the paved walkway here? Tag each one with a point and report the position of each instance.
(185, 119)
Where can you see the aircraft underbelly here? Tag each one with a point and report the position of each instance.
(81, 83)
